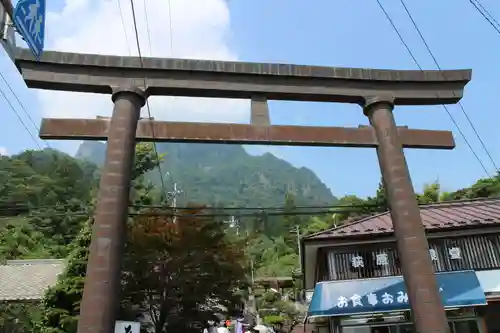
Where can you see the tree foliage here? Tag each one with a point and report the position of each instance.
(18, 317)
(180, 283)
(276, 311)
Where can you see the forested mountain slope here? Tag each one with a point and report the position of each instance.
(227, 175)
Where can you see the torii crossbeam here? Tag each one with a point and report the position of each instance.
(247, 134)
(377, 91)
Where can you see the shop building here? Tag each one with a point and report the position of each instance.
(353, 278)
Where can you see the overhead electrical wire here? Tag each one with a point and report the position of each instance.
(147, 28)
(486, 15)
(388, 17)
(20, 119)
(278, 209)
(170, 24)
(134, 20)
(184, 211)
(19, 101)
(124, 27)
(253, 214)
(187, 208)
(27, 114)
(169, 195)
(441, 71)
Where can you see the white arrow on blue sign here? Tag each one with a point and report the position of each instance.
(29, 18)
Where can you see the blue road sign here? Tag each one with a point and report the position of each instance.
(29, 18)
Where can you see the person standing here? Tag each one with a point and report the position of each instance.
(223, 328)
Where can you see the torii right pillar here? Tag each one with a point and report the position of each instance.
(413, 249)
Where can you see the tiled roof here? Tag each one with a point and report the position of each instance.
(446, 215)
(28, 279)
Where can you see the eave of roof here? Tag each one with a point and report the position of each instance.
(435, 217)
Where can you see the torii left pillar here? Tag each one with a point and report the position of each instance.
(100, 300)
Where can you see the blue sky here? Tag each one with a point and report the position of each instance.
(351, 34)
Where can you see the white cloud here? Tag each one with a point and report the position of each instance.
(3, 151)
(200, 29)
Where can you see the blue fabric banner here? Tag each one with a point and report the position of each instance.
(340, 298)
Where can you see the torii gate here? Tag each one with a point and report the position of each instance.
(377, 91)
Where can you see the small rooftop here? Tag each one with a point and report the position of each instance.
(28, 279)
(435, 217)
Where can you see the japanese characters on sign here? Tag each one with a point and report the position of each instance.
(387, 294)
(382, 259)
(357, 261)
(372, 299)
(454, 253)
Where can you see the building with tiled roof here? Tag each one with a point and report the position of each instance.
(27, 280)
(435, 217)
(352, 273)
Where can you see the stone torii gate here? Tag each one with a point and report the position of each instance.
(377, 91)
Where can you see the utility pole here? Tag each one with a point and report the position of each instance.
(173, 194)
(251, 297)
(296, 230)
(234, 223)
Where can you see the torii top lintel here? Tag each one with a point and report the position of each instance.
(228, 79)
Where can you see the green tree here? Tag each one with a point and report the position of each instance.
(61, 303)
(18, 317)
(316, 224)
(21, 241)
(431, 194)
(275, 310)
(483, 188)
(179, 283)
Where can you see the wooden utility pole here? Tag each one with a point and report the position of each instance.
(377, 91)
(173, 195)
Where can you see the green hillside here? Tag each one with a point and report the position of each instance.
(228, 175)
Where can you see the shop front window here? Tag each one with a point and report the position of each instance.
(464, 326)
(356, 329)
(384, 329)
(406, 328)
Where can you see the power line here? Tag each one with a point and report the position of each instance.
(147, 28)
(20, 119)
(171, 34)
(388, 17)
(254, 214)
(259, 210)
(442, 73)
(486, 14)
(21, 206)
(23, 108)
(147, 100)
(169, 174)
(19, 101)
(216, 214)
(184, 212)
(123, 27)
